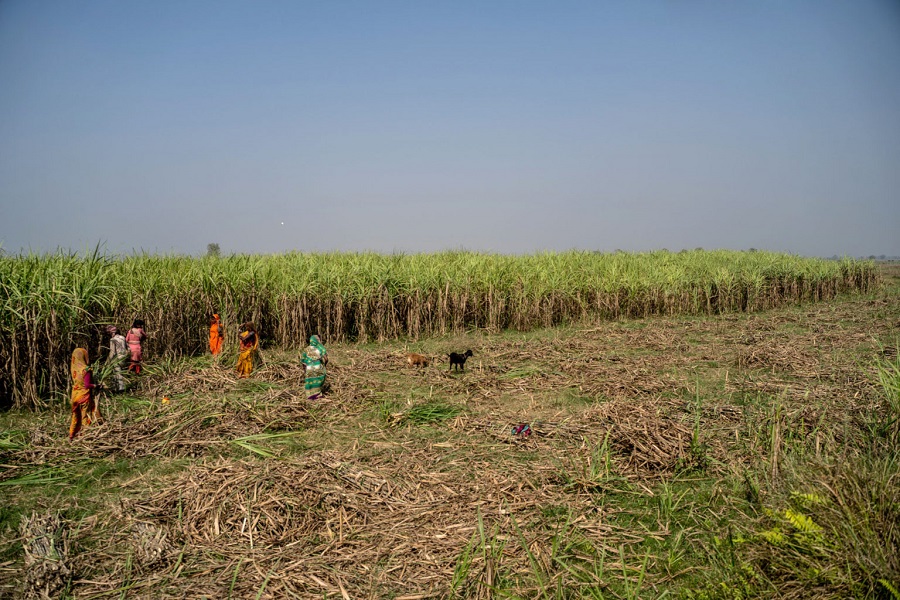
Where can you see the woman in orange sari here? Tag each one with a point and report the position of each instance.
(84, 406)
(216, 335)
(249, 343)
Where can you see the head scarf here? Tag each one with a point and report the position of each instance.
(314, 353)
(112, 329)
(248, 336)
(79, 363)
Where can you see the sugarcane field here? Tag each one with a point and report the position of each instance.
(693, 425)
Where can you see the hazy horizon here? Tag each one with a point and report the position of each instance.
(103, 249)
(510, 127)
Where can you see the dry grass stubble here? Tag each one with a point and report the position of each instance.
(371, 507)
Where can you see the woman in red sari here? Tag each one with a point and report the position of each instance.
(84, 406)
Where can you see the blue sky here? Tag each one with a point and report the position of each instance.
(506, 126)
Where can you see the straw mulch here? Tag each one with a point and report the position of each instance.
(780, 356)
(330, 523)
(325, 523)
(48, 561)
(185, 427)
(645, 442)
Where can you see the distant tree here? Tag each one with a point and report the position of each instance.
(882, 257)
(871, 257)
(753, 250)
(213, 250)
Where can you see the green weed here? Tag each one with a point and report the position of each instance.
(430, 413)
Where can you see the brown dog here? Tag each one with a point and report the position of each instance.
(416, 360)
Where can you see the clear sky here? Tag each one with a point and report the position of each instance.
(508, 126)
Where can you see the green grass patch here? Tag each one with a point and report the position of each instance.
(430, 413)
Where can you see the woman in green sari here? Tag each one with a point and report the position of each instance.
(314, 359)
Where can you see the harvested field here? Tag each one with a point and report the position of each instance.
(651, 442)
(51, 304)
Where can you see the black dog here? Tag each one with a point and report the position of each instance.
(459, 360)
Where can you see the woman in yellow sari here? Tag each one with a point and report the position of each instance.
(84, 406)
(247, 347)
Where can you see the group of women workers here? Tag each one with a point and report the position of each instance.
(314, 357)
(121, 348)
(248, 344)
(84, 403)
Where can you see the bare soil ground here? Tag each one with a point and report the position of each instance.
(408, 483)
